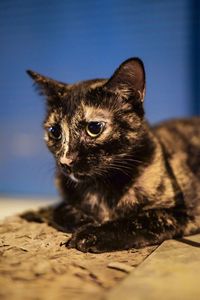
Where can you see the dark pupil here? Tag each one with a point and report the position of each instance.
(95, 127)
(55, 132)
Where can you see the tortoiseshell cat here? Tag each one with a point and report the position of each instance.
(123, 183)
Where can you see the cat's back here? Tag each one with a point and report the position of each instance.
(181, 138)
(178, 133)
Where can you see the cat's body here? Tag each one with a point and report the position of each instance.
(123, 183)
(156, 185)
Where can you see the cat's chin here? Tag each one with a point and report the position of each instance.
(74, 178)
(77, 178)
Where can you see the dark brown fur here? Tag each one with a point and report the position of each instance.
(132, 185)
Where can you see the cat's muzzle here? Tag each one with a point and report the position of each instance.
(67, 170)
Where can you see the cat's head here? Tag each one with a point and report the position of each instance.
(95, 127)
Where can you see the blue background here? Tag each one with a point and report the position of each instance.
(75, 40)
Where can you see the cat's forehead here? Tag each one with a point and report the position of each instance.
(92, 113)
(79, 96)
(82, 112)
(83, 101)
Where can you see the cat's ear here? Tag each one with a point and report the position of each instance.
(50, 88)
(129, 79)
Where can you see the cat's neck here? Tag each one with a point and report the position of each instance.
(117, 181)
(156, 181)
(143, 170)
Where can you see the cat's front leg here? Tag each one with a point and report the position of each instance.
(70, 218)
(63, 217)
(149, 228)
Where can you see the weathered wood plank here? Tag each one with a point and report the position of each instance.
(170, 272)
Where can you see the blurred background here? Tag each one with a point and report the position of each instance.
(76, 40)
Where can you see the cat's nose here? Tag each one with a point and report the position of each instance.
(67, 161)
(66, 164)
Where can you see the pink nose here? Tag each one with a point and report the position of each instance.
(66, 161)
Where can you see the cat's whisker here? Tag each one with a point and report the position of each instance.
(119, 168)
(128, 157)
(103, 174)
(125, 164)
(122, 167)
(131, 160)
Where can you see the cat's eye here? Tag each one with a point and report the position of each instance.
(95, 128)
(55, 132)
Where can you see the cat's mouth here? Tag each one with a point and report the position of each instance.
(74, 176)
(77, 177)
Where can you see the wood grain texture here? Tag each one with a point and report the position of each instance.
(34, 265)
(171, 272)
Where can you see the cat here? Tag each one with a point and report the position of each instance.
(124, 184)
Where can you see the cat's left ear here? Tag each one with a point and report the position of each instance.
(128, 81)
(48, 87)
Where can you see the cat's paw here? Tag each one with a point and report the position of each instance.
(89, 238)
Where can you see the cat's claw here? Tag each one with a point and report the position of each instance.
(87, 239)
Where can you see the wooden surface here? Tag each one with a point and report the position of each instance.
(34, 265)
(171, 272)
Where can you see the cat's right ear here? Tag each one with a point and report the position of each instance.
(128, 81)
(50, 88)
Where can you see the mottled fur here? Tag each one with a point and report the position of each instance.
(132, 185)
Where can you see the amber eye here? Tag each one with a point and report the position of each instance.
(95, 128)
(55, 132)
